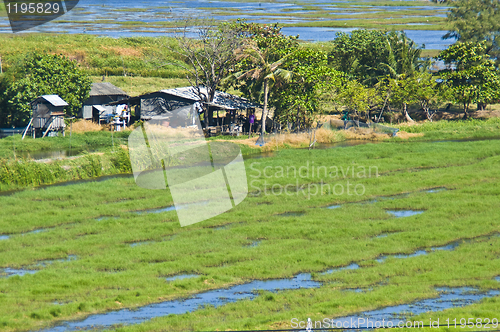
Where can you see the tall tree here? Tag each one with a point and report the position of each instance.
(298, 100)
(209, 58)
(471, 74)
(41, 74)
(475, 21)
(263, 72)
(260, 69)
(371, 55)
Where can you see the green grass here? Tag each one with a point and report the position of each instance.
(134, 56)
(22, 173)
(136, 86)
(109, 274)
(89, 141)
(457, 129)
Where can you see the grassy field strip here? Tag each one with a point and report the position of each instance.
(109, 270)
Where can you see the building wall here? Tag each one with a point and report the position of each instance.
(159, 104)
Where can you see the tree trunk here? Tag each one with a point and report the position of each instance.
(264, 110)
(210, 115)
(405, 112)
(466, 111)
(427, 111)
(481, 106)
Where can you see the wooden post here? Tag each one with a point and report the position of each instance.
(28, 127)
(50, 126)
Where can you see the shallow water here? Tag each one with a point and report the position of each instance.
(159, 210)
(4, 237)
(215, 298)
(181, 276)
(98, 17)
(15, 272)
(36, 231)
(404, 213)
(135, 244)
(449, 247)
(435, 190)
(352, 266)
(9, 272)
(448, 298)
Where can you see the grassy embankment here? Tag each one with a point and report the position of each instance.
(137, 65)
(108, 274)
(105, 154)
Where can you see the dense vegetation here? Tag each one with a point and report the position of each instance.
(368, 73)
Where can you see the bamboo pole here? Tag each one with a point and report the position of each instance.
(26, 130)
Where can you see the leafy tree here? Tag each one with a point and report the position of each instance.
(260, 71)
(358, 98)
(371, 55)
(209, 58)
(276, 68)
(41, 74)
(472, 75)
(298, 100)
(428, 93)
(263, 72)
(475, 21)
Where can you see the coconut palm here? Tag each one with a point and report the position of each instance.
(263, 71)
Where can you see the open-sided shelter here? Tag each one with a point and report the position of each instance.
(101, 94)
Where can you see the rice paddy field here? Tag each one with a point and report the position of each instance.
(398, 230)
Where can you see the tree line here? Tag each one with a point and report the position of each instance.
(366, 72)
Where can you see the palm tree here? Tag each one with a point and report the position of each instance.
(264, 71)
(403, 61)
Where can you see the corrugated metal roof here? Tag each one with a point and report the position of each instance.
(55, 100)
(106, 89)
(99, 108)
(221, 99)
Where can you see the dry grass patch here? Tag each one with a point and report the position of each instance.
(82, 126)
(292, 140)
(125, 51)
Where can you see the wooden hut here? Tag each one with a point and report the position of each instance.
(174, 104)
(97, 105)
(48, 115)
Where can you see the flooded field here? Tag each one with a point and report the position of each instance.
(108, 254)
(160, 18)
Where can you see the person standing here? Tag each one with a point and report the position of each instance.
(251, 120)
